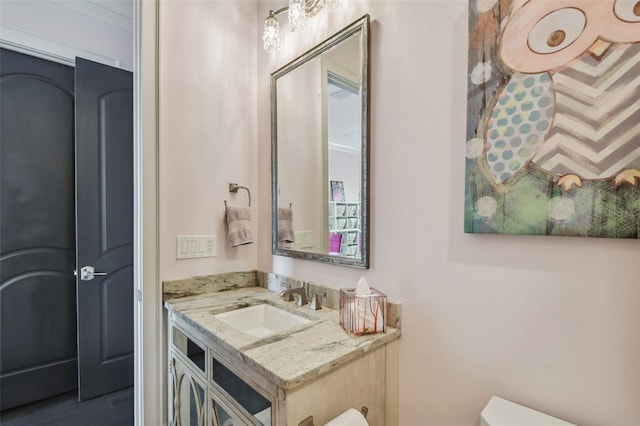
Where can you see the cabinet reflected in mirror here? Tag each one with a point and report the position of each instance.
(319, 106)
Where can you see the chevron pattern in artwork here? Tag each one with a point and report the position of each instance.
(596, 128)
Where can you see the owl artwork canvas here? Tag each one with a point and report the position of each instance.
(553, 118)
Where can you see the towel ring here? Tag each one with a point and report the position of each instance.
(234, 187)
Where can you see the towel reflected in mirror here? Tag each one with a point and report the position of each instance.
(285, 225)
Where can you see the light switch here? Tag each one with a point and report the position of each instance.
(193, 246)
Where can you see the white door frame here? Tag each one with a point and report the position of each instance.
(150, 358)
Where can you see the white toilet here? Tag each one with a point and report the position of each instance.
(500, 412)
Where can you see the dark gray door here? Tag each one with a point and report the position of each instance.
(104, 216)
(37, 246)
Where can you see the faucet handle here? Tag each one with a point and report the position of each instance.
(315, 303)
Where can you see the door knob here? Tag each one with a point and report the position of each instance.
(87, 273)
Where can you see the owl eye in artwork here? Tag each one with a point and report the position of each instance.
(557, 30)
(627, 10)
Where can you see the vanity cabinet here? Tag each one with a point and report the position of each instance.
(344, 220)
(204, 391)
(215, 386)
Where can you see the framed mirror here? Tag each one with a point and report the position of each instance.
(320, 152)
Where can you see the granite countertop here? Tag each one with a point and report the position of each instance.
(287, 359)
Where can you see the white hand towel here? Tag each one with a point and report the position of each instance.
(285, 225)
(238, 219)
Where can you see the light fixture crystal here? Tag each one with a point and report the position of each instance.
(299, 11)
(271, 35)
(297, 15)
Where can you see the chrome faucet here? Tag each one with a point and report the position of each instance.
(289, 293)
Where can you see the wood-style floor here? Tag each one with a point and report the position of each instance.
(114, 409)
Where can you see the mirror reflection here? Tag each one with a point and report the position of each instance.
(319, 137)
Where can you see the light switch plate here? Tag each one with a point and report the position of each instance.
(303, 239)
(193, 246)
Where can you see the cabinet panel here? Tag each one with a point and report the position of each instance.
(241, 393)
(189, 348)
(187, 396)
(358, 383)
(221, 415)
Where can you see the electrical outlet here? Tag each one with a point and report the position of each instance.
(192, 246)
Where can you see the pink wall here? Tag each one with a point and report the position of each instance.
(208, 132)
(553, 323)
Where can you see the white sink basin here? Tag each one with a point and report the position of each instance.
(261, 320)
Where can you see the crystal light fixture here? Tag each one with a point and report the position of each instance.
(271, 35)
(298, 13)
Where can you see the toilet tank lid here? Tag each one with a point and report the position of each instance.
(500, 412)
